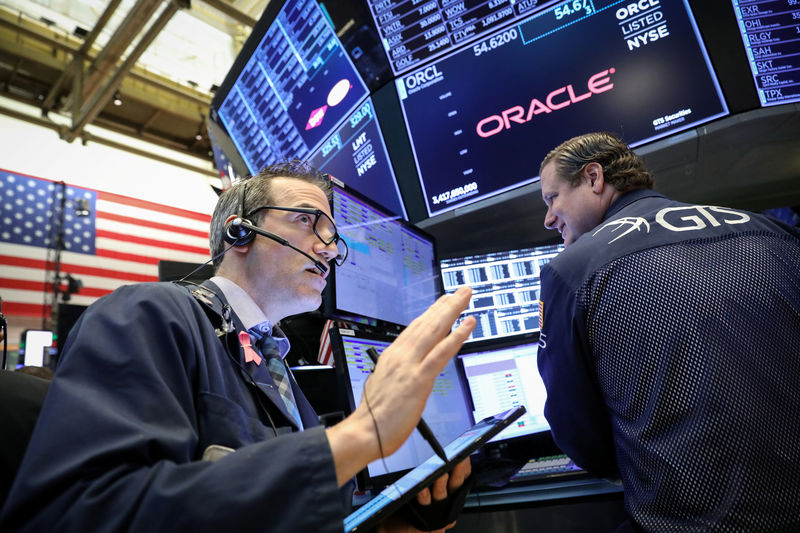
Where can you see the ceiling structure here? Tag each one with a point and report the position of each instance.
(122, 65)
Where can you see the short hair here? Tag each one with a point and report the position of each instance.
(622, 168)
(256, 191)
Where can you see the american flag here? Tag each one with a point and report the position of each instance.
(325, 355)
(118, 243)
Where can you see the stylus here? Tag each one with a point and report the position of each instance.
(422, 427)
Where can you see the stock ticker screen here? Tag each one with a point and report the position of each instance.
(505, 289)
(356, 154)
(482, 118)
(296, 86)
(417, 30)
(391, 272)
(771, 33)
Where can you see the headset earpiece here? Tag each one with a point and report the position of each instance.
(236, 234)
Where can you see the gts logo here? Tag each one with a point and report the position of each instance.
(688, 218)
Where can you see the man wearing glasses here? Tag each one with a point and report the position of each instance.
(172, 409)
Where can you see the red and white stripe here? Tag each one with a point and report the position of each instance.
(132, 235)
(325, 355)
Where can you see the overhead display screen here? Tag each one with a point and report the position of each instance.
(356, 155)
(481, 119)
(297, 85)
(771, 33)
(413, 31)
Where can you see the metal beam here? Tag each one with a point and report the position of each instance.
(232, 12)
(147, 78)
(113, 144)
(82, 53)
(101, 96)
(111, 53)
(149, 122)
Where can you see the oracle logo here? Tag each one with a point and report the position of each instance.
(428, 74)
(555, 100)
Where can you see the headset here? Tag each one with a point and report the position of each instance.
(241, 231)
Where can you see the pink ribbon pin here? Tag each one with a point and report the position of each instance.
(249, 353)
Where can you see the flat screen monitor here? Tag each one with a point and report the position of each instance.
(503, 377)
(505, 290)
(770, 31)
(446, 412)
(36, 347)
(291, 85)
(356, 154)
(482, 118)
(391, 273)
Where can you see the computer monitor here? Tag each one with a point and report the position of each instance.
(770, 35)
(290, 86)
(391, 273)
(506, 376)
(446, 412)
(36, 347)
(505, 290)
(639, 70)
(356, 155)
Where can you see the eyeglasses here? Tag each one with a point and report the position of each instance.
(323, 227)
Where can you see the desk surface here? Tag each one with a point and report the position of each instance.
(541, 492)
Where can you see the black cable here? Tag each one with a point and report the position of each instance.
(375, 423)
(378, 435)
(223, 252)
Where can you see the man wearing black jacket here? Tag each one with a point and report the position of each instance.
(172, 410)
(669, 345)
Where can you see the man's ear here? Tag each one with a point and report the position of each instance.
(593, 172)
(238, 249)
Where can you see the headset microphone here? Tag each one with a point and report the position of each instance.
(244, 232)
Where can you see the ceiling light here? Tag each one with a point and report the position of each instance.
(117, 99)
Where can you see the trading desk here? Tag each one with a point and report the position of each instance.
(588, 505)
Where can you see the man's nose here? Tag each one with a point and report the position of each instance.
(328, 251)
(549, 220)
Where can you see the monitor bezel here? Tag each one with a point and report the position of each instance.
(363, 479)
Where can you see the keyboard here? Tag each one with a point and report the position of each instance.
(545, 467)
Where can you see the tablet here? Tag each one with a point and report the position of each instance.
(398, 493)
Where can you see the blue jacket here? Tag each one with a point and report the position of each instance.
(670, 350)
(143, 388)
